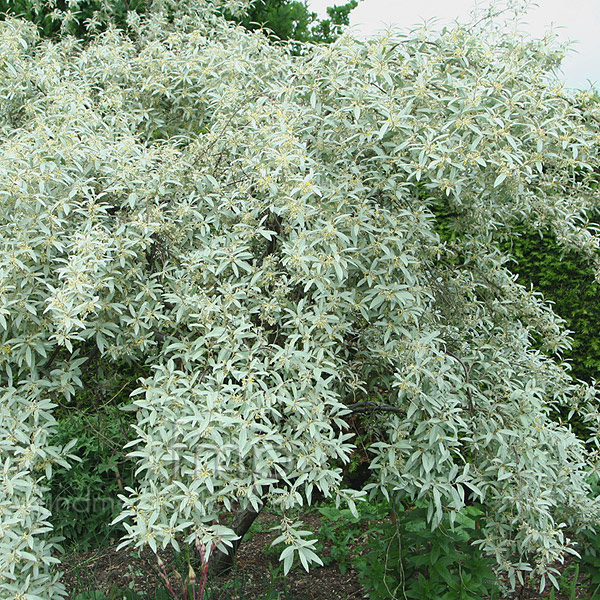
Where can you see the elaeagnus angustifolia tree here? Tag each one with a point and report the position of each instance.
(283, 19)
(256, 230)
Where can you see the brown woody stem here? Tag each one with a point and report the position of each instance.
(220, 562)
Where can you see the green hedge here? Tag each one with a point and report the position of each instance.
(568, 281)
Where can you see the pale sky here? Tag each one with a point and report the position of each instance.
(573, 20)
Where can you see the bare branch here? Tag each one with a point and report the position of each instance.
(367, 406)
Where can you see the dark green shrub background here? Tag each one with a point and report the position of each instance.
(567, 281)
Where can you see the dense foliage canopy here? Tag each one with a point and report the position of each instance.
(284, 19)
(255, 230)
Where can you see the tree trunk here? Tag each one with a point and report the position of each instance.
(221, 562)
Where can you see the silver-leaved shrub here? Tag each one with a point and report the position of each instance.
(257, 230)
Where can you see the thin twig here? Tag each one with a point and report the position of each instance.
(52, 358)
(367, 406)
(231, 117)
